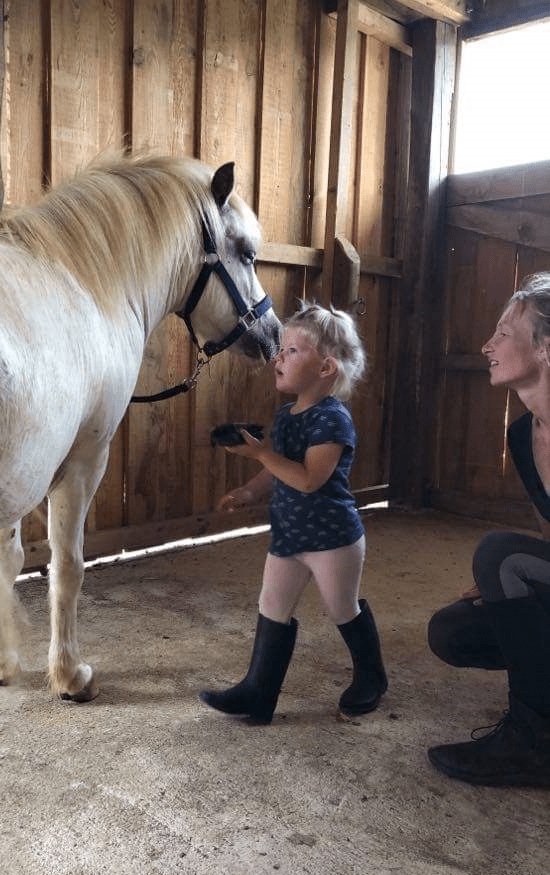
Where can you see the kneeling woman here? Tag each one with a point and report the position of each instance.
(504, 623)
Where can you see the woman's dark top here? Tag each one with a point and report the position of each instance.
(520, 442)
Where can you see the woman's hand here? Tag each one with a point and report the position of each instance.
(471, 594)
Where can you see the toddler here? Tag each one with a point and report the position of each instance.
(316, 530)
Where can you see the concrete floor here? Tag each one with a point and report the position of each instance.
(146, 779)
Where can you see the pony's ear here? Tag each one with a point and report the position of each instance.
(223, 183)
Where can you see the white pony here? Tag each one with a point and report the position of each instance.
(86, 275)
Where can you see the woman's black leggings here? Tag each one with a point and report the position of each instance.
(506, 564)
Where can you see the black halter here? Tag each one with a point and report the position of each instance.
(248, 316)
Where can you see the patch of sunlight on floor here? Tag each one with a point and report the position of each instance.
(130, 555)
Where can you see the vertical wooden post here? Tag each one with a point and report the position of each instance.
(347, 36)
(421, 290)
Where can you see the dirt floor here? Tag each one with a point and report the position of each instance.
(146, 779)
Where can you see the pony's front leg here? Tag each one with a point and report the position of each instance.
(69, 500)
(11, 563)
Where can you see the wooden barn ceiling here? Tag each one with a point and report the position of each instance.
(474, 17)
(409, 11)
(488, 16)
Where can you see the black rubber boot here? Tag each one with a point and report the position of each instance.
(515, 752)
(256, 695)
(369, 677)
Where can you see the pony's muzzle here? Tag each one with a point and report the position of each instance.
(262, 342)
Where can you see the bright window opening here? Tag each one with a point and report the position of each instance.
(503, 117)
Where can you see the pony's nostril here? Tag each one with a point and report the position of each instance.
(272, 349)
(272, 342)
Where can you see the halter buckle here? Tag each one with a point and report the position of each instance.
(248, 319)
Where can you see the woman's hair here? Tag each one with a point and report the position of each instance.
(333, 333)
(534, 293)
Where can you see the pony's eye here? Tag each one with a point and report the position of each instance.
(248, 256)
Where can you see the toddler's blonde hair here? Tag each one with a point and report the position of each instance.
(333, 333)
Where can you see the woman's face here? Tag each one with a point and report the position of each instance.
(513, 360)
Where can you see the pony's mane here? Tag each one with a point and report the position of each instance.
(117, 222)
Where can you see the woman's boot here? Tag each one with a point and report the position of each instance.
(369, 677)
(517, 751)
(256, 695)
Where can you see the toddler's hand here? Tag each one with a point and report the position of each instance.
(235, 500)
(250, 447)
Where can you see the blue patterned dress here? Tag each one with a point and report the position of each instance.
(325, 519)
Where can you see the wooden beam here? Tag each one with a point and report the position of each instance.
(500, 184)
(409, 11)
(343, 95)
(494, 15)
(347, 268)
(420, 301)
(401, 141)
(283, 253)
(377, 265)
(371, 495)
(307, 256)
(384, 29)
(451, 11)
(516, 226)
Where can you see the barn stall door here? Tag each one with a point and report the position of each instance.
(365, 216)
(498, 232)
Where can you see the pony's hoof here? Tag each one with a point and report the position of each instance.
(10, 667)
(86, 694)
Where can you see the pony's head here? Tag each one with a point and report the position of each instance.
(133, 231)
(227, 306)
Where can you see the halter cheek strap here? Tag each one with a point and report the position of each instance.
(248, 316)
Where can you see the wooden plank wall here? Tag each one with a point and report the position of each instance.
(222, 80)
(497, 235)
